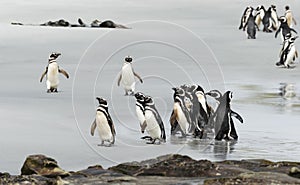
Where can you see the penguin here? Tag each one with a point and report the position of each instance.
(201, 110)
(224, 125)
(289, 16)
(251, 27)
(154, 124)
(126, 77)
(288, 53)
(52, 71)
(245, 16)
(140, 110)
(275, 23)
(284, 28)
(179, 119)
(268, 21)
(104, 124)
(260, 13)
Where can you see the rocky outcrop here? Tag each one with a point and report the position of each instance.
(43, 166)
(167, 169)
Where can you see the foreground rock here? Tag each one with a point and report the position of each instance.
(168, 169)
(43, 166)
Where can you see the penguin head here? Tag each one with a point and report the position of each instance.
(273, 7)
(101, 101)
(184, 87)
(54, 55)
(148, 99)
(228, 95)
(215, 94)
(178, 91)
(139, 96)
(282, 19)
(260, 7)
(128, 59)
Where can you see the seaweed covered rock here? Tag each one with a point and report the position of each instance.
(42, 165)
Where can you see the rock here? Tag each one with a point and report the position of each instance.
(254, 178)
(28, 180)
(42, 165)
(170, 166)
(294, 172)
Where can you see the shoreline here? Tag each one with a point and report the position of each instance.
(166, 169)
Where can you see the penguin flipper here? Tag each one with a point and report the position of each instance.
(135, 74)
(63, 72)
(119, 80)
(111, 125)
(93, 127)
(293, 30)
(44, 73)
(237, 116)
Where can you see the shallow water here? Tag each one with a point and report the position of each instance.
(177, 42)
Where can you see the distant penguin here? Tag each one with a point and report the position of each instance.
(288, 53)
(155, 127)
(260, 13)
(179, 119)
(52, 71)
(284, 28)
(140, 110)
(275, 23)
(289, 16)
(251, 27)
(127, 77)
(268, 21)
(224, 126)
(104, 124)
(248, 10)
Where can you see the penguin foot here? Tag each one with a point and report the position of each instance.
(147, 138)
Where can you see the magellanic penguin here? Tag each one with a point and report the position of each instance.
(268, 21)
(251, 27)
(140, 109)
(127, 77)
(284, 28)
(259, 15)
(154, 124)
(288, 53)
(245, 17)
(179, 119)
(289, 16)
(275, 23)
(104, 123)
(52, 71)
(224, 126)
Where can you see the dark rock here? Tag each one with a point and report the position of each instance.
(42, 165)
(174, 166)
(254, 178)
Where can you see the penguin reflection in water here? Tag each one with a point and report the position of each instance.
(149, 119)
(104, 123)
(127, 77)
(52, 71)
(222, 118)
